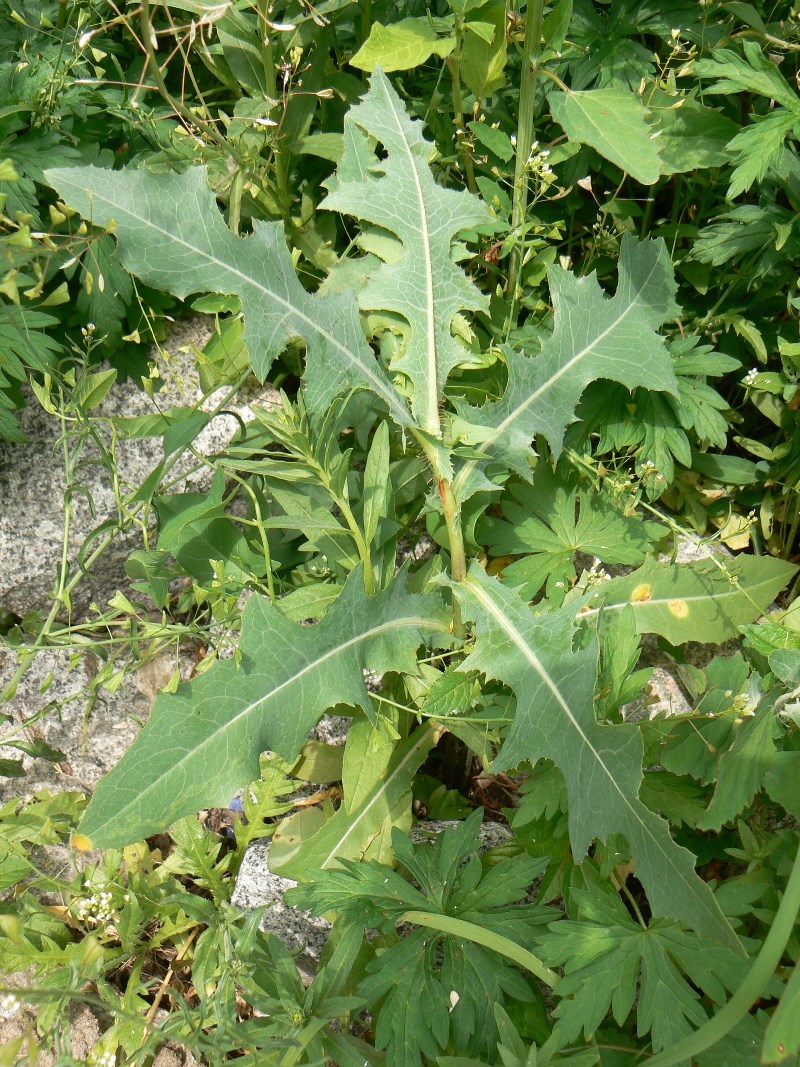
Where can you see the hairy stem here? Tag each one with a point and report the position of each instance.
(527, 114)
(452, 518)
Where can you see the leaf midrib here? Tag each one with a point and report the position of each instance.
(511, 631)
(432, 424)
(724, 593)
(425, 739)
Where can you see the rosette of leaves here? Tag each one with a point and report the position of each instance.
(201, 742)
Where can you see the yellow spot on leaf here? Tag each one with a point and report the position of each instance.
(81, 843)
(496, 566)
(679, 608)
(641, 594)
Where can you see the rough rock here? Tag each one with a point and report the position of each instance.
(33, 479)
(257, 886)
(93, 734)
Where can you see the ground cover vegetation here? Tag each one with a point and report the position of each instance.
(526, 277)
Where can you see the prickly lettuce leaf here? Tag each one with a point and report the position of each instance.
(594, 336)
(171, 234)
(602, 765)
(421, 282)
(202, 742)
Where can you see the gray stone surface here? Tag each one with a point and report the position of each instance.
(257, 886)
(33, 480)
(92, 734)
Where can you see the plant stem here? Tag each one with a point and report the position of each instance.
(366, 19)
(347, 514)
(751, 988)
(148, 40)
(235, 201)
(454, 66)
(496, 942)
(527, 113)
(452, 518)
(451, 506)
(361, 545)
(267, 54)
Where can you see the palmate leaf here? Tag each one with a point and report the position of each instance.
(25, 346)
(594, 336)
(398, 193)
(655, 425)
(751, 73)
(414, 978)
(171, 234)
(202, 743)
(602, 765)
(541, 524)
(608, 958)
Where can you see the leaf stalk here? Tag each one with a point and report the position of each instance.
(447, 924)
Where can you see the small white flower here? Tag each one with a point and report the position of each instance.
(751, 376)
(514, 140)
(9, 1006)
